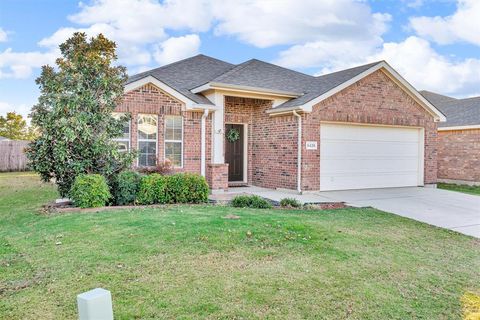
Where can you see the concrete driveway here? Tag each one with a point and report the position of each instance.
(447, 209)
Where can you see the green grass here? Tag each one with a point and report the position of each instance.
(460, 188)
(186, 262)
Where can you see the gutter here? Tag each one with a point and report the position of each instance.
(203, 143)
(241, 88)
(299, 149)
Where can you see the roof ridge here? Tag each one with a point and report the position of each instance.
(284, 68)
(180, 61)
(470, 98)
(343, 70)
(234, 69)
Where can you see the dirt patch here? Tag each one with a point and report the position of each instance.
(231, 217)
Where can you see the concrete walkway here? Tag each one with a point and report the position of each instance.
(447, 209)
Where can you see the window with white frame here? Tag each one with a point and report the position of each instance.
(123, 141)
(174, 140)
(147, 140)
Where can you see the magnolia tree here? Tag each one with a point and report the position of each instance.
(74, 113)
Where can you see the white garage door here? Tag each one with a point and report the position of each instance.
(358, 157)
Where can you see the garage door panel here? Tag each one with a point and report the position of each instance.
(365, 166)
(368, 133)
(356, 157)
(366, 182)
(368, 148)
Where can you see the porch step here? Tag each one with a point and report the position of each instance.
(235, 184)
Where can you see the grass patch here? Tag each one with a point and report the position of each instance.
(191, 262)
(475, 190)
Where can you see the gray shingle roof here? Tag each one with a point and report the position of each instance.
(459, 112)
(187, 74)
(193, 72)
(325, 83)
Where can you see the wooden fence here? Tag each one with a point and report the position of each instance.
(12, 155)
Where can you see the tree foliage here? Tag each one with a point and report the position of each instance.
(74, 113)
(14, 127)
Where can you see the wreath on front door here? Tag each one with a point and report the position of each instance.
(233, 135)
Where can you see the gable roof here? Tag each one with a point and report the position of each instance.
(186, 74)
(190, 77)
(459, 112)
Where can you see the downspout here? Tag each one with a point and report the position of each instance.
(299, 150)
(202, 142)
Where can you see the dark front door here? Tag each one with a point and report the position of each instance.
(234, 153)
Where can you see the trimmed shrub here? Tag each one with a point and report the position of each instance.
(90, 190)
(187, 188)
(250, 202)
(198, 189)
(177, 188)
(152, 189)
(290, 203)
(125, 187)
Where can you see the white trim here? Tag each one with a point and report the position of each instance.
(189, 104)
(245, 150)
(218, 126)
(129, 139)
(421, 156)
(389, 71)
(453, 128)
(299, 152)
(165, 140)
(146, 140)
(203, 169)
(247, 89)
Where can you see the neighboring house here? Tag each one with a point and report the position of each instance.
(260, 124)
(458, 138)
(4, 139)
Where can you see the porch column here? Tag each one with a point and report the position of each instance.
(218, 130)
(217, 170)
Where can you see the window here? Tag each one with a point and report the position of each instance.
(174, 140)
(124, 140)
(147, 140)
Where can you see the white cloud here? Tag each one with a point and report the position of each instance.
(3, 35)
(22, 109)
(177, 48)
(21, 64)
(421, 65)
(463, 25)
(268, 23)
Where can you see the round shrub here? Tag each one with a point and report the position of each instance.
(187, 188)
(177, 188)
(125, 187)
(290, 203)
(250, 202)
(89, 190)
(152, 189)
(198, 189)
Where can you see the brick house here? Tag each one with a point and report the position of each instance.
(458, 138)
(260, 124)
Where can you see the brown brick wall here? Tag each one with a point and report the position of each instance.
(217, 176)
(272, 141)
(376, 99)
(459, 155)
(272, 155)
(151, 100)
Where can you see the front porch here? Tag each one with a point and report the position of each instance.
(259, 150)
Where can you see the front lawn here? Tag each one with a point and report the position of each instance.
(191, 262)
(460, 188)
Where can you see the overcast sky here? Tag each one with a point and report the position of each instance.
(435, 45)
